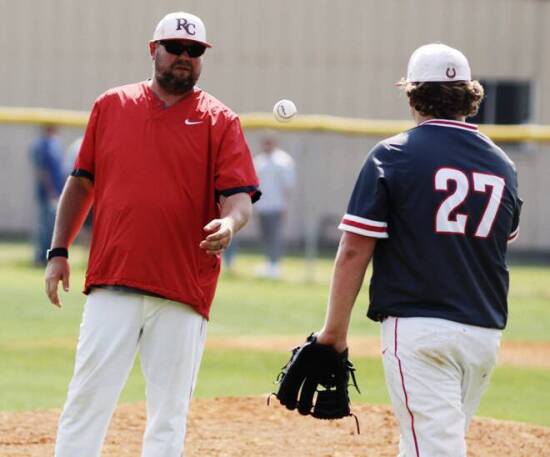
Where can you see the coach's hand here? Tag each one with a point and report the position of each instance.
(58, 269)
(221, 234)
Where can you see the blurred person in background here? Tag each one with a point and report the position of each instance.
(171, 178)
(229, 255)
(71, 154)
(277, 174)
(47, 160)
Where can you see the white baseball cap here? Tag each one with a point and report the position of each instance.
(437, 62)
(181, 26)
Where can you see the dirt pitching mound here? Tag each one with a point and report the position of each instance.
(246, 427)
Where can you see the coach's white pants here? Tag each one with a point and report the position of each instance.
(115, 325)
(436, 371)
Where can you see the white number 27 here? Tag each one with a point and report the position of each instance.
(445, 222)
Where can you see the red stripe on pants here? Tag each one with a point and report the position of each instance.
(405, 390)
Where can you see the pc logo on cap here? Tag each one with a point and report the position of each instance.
(181, 26)
(437, 62)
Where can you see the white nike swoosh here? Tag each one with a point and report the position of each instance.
(188, 122)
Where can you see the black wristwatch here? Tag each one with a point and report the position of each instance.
(57, 252)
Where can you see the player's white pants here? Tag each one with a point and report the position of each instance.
(115, 325)
(436, 371)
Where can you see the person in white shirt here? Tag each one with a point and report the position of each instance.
(276, 171)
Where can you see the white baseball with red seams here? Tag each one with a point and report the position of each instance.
(284, 110)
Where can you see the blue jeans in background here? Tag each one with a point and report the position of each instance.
(43, 230)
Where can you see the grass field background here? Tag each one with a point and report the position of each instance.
(37, 341)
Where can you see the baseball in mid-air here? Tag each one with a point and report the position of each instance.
(284, 110)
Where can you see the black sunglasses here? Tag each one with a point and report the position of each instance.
(178, 48)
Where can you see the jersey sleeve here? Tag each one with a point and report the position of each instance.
(514, 234)
(518, 202)
(235, 172)
(367, 211)
(84, 165)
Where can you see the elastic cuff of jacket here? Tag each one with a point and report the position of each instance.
(80, 173)
(253, 191)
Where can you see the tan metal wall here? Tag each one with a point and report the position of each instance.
(330, 57)
(339, 58)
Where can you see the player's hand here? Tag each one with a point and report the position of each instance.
(220, 235)
(338, 343)
(58, 269)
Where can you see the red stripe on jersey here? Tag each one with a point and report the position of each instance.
(360, 225)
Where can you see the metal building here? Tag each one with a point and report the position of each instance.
(338, 58)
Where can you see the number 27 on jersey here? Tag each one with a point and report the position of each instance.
(446, 221)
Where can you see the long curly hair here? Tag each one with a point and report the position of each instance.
(445, 100)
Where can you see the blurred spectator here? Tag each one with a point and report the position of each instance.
(70, 156)
(47, 157)
(276, 171)
(229, 255)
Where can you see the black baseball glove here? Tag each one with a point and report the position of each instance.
(317, 369)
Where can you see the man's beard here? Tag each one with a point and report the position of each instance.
(173, 84)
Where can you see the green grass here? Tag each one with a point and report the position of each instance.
(518, 394)
(514, 394)
(529, 304)
(37, 341)
(42, 376)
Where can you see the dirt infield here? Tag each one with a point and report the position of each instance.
(246, 427)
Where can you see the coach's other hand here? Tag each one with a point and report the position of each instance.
(221, 234)
(58, 269)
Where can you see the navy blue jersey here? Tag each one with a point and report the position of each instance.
(442, 198)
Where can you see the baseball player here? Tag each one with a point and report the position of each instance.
(171, 178)
(434, 207)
